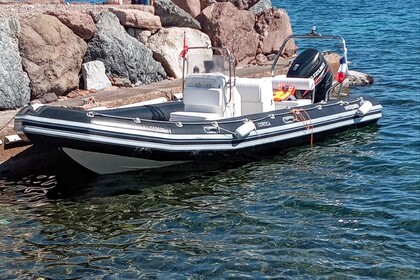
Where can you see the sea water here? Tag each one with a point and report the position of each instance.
(347, 208)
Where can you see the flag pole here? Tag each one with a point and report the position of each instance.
(183, 74)
(183, 55)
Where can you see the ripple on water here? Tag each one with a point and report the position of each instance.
(250, 221)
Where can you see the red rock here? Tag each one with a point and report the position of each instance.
(137, 19)
(51, 55)
(274, 26)
(193, 7)
(80, 23)
(231, 28)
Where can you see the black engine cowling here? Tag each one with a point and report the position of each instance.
(312, 64)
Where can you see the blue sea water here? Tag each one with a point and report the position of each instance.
(347, 208)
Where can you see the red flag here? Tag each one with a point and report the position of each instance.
(185, 49)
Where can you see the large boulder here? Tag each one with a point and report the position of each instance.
(273, 26)
(80, 23)
(172, 15)
(122, 55)
(231, 28)
(51, 55)
(14, 82)
(138, 19)
(167, 45)
(193, 7)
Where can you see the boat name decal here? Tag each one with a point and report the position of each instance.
(154, 128)
(263, 124)
(351, 107)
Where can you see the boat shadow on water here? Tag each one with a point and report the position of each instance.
(52, 175)
(88, 185)
(70, 181)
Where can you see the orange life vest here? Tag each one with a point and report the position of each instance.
(283, 92)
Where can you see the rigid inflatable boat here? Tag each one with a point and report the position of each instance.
(219, 115)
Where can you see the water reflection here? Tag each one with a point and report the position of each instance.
(301, 212)
(65, 179)
(153, 227)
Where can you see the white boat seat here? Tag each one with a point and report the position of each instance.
(212, 80)
(256, 95)
(201, 104)
(206, 97)
(204, 100)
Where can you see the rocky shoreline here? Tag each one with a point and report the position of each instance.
(49, 44)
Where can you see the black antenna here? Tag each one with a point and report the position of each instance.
(313, 32)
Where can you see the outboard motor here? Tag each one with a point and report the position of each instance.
(312, 64)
